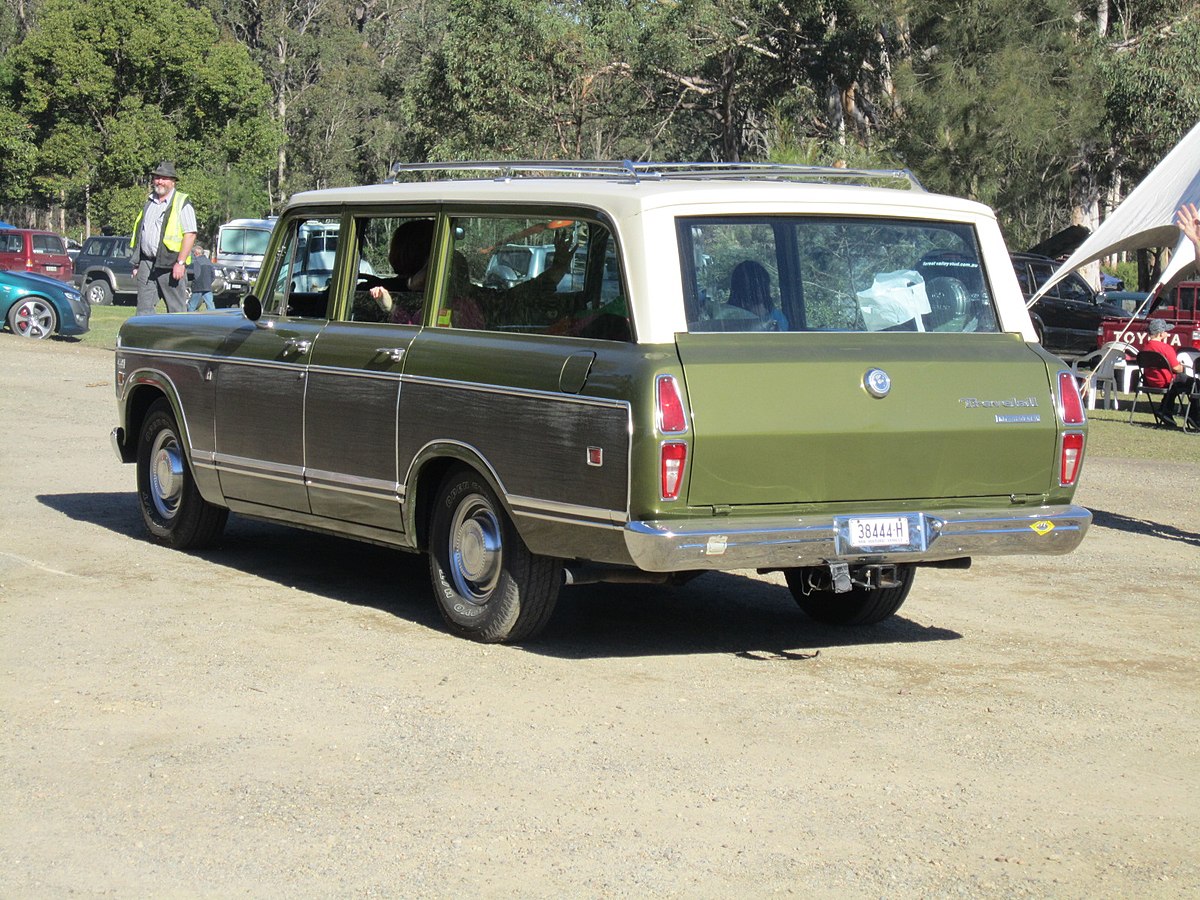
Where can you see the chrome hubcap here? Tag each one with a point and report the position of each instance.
(166, 474)
(476, 549)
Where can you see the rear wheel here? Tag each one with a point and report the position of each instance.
(98, 293)
(857, 606)
(489, 587)
(172, 508)
(33, 318)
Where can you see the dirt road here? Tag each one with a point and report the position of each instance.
(284, 716)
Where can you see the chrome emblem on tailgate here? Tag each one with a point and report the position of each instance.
(877, 382)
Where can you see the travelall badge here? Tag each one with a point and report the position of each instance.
(1013, 403)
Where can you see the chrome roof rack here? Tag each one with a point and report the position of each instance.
(627, 170)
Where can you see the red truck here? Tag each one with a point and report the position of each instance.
(1181, 311)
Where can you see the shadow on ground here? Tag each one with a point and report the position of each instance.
(1119, 522)
(716, 613)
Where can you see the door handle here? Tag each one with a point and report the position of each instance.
(297, 346)
(395, 354)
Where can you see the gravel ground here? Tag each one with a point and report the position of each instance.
(283, 715)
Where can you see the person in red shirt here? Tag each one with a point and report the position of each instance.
(1172, 379)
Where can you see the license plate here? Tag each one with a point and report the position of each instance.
(878, 531)
(51, 268)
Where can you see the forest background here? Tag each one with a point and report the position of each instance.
(1049, 111)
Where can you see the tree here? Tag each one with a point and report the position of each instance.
(543, 80)
(114, 86)
(1000, 104)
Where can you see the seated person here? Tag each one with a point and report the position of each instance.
(750, 289)
(408, 255)
(1172, 379)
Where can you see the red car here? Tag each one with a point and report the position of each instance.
(35, 252)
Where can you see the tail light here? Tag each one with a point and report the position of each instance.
(1070, 410)
(671, 418)
(1070, 458)
(674, 459)
(1070, 406)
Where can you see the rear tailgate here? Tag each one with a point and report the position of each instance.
(786, 418)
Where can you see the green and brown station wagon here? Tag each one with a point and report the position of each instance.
(541, 374)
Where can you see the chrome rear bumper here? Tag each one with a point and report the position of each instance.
(785, 542)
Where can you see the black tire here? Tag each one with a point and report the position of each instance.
(857, 606)
(98, 292)
(488, 586)
(172, 508)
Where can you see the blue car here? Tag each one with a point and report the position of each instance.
(35, 306)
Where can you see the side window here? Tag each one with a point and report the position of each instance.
(1023, 278)
(121, 250)
(1074, 288)
(392, 264)
(548, 274)
(300, 282)
(11, 243)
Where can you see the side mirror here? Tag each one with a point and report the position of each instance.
(252, 308)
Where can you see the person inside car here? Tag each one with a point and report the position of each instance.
(750, 289)
(400, 295)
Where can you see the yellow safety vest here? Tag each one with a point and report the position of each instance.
(172, 233)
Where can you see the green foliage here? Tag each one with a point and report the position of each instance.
(1018, 103)
(1153, 94)
(111, 87)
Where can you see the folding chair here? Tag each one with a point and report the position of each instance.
(1102, 377)
(1148, 359)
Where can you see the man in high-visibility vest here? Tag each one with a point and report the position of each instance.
(162, 243)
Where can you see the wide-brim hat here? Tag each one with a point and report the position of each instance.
(165, 169)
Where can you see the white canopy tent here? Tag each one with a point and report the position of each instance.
(1146, 218)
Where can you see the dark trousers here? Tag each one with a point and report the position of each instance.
(154, 284)
(1180, 384)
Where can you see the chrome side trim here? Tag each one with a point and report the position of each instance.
(356, 373)
(240, 465)
(353, 484)
(566, 512)
(517, 392)
(786, 542)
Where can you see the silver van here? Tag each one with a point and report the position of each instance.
(238, 254)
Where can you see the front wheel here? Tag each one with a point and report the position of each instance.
(33, 318)
(857, 606)
(489, 586)
(172, 508)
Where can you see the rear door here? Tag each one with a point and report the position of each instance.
(354, 383)
(853, 359)
(788, 418)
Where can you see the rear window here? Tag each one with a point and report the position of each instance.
(50, 244)
(802, 273)
(247, 241)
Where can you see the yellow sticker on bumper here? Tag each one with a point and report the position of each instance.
(1042, 527)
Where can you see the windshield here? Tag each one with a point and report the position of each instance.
(243, 241)
(800, 273)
